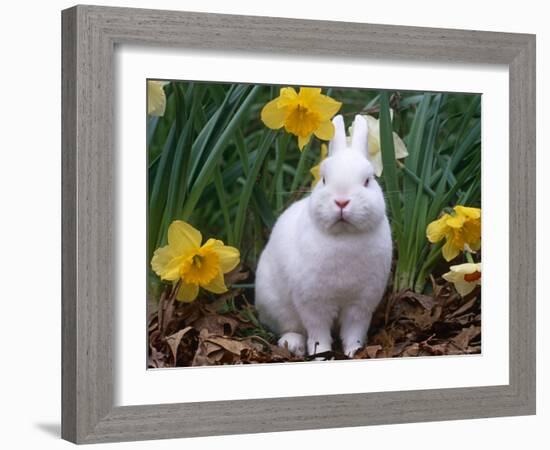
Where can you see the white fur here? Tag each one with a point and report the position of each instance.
(318, 272)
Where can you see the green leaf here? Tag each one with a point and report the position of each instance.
(262, 206)
(251, 180)
(205, 175)
(218, 182)
(389, 172)
(157, 197)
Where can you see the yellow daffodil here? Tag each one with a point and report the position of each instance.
(461, 230)
(302, 114)
(465, 277)
(156, 98)
(316, 170)
(184, 260)
(375, 155)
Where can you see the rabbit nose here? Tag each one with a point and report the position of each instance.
(341, 203)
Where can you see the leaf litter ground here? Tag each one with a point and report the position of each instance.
(226, 330)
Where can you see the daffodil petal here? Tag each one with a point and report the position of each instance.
(464, 287)
(187, 292)
(325, 106)
(325, 131)
(461, 286)
(471, 213)
(217, 285)
(156, 98)
(175, 267)
(302, 141)
(228, 257)
(316, 174)
(456, 221)
(287, 97)
(183, 238)
(451, 276)
(376, 161)
(163, 263)
(399, 147)
(273, 116)
(373, 124)
(437, 230)
(373, 144)
(324, 151)
(466, 268)
(449, 251)
(308, 94)
(456, 276)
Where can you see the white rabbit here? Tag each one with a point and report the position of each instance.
(329, 256)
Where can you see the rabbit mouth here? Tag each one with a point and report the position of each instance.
(343, 218)
(343, 223)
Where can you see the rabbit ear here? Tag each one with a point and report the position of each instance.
(338, 142)
(360, 137)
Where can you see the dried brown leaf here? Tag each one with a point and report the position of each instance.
(156, 358)
(223, 325)
(411, 350)
(174, 340)
(462, 339)
(235, 276)
(426, 319)
(280, 353)
(384, 338)
(232, 345)
(464, 308)
(465, 319)
(426, 301)
(373, 350)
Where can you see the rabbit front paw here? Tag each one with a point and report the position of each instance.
(351, 349)
(294, 342)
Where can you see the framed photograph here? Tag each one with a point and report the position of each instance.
(267, 230)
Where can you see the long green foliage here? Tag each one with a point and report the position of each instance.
(213, 163)
(443, 169)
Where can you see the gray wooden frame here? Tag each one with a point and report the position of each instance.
(90, 34)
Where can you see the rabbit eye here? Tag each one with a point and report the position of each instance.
(367, 182)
